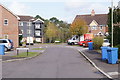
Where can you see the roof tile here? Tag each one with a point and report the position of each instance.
(101, 19)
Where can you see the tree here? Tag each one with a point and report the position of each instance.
(51, 32)
(37, 16)
(63, 29)
(78, 27)
(54, 20)
(116, 28)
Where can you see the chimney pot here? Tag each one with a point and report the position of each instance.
(93, 13)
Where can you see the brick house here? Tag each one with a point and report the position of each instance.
(31, 27)
(97, 23)
(9, 25)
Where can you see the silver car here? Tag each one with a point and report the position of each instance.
(8, 44)
(106, 42)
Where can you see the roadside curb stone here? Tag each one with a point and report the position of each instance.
(12, 60)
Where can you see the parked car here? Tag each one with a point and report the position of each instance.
(85, 42)
(106, 42)
(8, 44)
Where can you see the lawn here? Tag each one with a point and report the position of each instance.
(24, 54)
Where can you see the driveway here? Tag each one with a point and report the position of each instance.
(55, 62)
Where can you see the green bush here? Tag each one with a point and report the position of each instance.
(97, 42)
(118, 46)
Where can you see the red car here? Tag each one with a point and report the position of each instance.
(84, 43)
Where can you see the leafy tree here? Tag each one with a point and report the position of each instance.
(51, 32)
(78, 27)
(116, 28)
(54, 20)
(97, 42)
(37, 16)
(63, 28)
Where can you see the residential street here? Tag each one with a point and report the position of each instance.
(55, 62)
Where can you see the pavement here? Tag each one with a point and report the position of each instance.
(111, 70)
(95, 57)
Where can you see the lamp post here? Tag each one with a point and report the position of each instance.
(29, 31)
(112, 20)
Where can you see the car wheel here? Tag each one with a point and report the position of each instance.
(5, 49)
(72, 43)
(83, 45)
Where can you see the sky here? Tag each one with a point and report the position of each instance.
(65, 10)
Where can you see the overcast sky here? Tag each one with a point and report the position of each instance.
(65, 10)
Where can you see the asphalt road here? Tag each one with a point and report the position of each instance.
(55, 62)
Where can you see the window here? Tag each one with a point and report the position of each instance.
(20, 23)
(93, 27)
(3, 41)
(22, 31)
(100, 27)
(29, 23)
(5, 21)
(37, 26)
(37, 33)
(29, 31)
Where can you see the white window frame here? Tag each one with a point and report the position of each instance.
(37, 33)
(37, 26)
(101, 27)
(5, 23)
(20, 23)
(29, 31)
(93, 27)
(22, 31)
(29, 23)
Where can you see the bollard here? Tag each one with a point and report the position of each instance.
(2, 50)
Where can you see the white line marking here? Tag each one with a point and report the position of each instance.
(113, 73)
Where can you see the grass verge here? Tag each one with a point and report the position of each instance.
(38, 49)
(24, 54)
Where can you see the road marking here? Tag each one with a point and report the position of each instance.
(7, 52)
(113, 73)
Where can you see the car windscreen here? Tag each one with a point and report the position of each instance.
(9, 40)
(106, 40)
(3, 41)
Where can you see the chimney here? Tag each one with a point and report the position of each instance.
(92, 13)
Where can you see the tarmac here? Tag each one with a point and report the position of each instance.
(110, 70)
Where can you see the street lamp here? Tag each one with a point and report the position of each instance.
(112, 20)
(29, 30)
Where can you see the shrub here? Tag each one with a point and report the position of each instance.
(97, 42)
(118, 46)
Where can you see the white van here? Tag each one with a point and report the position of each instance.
(75, 40)
(29, 40)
